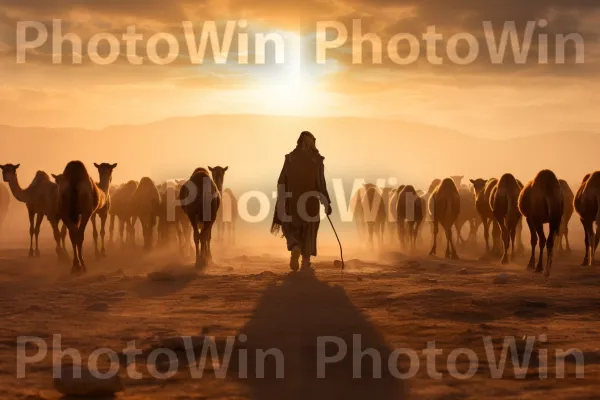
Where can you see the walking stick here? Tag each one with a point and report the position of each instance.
(339, 242)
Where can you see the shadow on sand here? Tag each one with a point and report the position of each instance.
(290, 317)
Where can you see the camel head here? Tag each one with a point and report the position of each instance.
(218, 175)
(9, 172)
(105, 171)
(478, 185)
(59, 179)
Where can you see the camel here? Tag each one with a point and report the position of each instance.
(410, 214)
(374, 213)
(4, 203)
(444, 206)
(390, 200)
(568, 200)
(358, 212)
(122, 207)
(427, 195)
(169, 215)
(227, 217)
(468, 214)
(587, 205)
(80, 200)
(541, 202)
(483, 190)
(41, 200)
(146, 207)
(201, 199)
(457, 179)
(504, 200)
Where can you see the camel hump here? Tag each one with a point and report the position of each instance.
(200, 171)
(566, 189)
(546, 176)
(75, 171)
(508, 184)
(409, 189)
(447, 185)
(146, 182)
(41, 176)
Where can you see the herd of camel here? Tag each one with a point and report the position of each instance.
(74, 198)
(499, 203)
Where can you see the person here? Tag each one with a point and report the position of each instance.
(300, 189)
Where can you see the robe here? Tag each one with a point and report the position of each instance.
(301, 189)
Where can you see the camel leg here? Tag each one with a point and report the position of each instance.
(496, 239)
(103, 218)
(95, 236)
(121, 231)
(415, 234)
(513, 238)
(596, 243)
(505, 234)
(566, 235)
(207, 236)
(542, 237)
(31, 229)
(472, 231)
(401, 233)
(534, 241)
(38, 224)
(554, 229)
(180, 238)
(587, 241)
(84, 221)
(111, 229)
(74, 236)
(452, 253)
(56, 233)
(197, 238)
(132, 232)
(411, 228)
(435, 234)
(370, 228)
(448, 252)
(486, 236)
(63, 236)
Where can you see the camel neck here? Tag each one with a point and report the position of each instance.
(220, 188)
(17, 191)
(104, 184)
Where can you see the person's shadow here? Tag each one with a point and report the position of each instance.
(291, 316)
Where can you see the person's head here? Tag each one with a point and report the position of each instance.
(307, 140)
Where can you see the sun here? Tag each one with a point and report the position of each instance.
(290, 87)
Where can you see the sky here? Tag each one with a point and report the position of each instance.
(481, 98)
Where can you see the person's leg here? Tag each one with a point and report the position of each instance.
(293, 245)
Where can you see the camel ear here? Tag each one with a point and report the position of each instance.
(113, 166)
(96, 165)
(54, 176)
(17, 166)
(472, 181)
(210, 169)
(225, 169)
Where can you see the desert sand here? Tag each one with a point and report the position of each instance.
(392, 300)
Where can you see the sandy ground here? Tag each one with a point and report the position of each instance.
(392, 300)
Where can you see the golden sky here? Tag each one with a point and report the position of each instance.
(482, 98)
